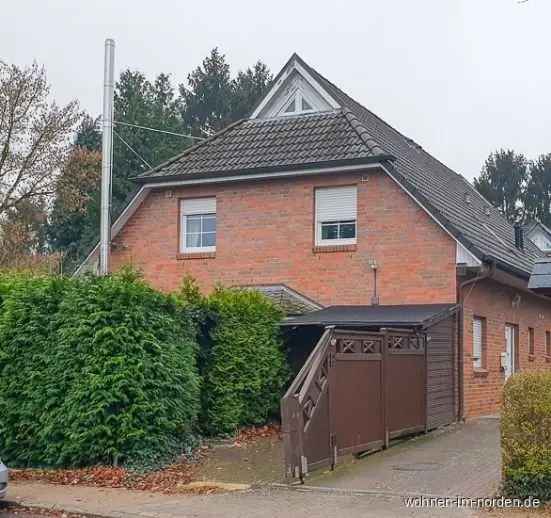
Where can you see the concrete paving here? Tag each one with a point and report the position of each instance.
(259, 503)
(461, 460)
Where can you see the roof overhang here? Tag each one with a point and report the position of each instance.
(264, 173)
(403, 316)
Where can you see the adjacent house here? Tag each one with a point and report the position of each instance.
(319, 201)
(539, 234)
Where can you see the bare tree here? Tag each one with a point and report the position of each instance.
(35, 135)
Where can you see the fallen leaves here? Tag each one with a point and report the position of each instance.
(34, 512)
(252, 433)
(180, 477)
(170, 479)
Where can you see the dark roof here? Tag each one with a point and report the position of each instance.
(477, 225)
(290, 301)
(356, 134)
(412, 315)
(263, 144)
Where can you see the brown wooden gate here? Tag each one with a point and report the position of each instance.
(356, 391)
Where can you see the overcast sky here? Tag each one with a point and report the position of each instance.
(461, 77)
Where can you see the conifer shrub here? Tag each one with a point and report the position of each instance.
(526, 435)
(245, 368)
(95, 371)
(27, 327)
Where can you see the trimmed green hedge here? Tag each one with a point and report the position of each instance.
(94, 370)
(244, 367)
(526, 435)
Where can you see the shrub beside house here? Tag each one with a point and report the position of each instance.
(104, 370)
(526, 436)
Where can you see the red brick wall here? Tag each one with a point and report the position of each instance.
(266, 233)
(493, 301)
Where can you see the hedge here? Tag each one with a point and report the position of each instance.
(245, 368)
(94, 370)
(526, 435)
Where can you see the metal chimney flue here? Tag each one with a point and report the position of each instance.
(107, 157)
(519, 236)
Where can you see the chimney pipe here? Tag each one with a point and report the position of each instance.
(519, 236)
(107, 157)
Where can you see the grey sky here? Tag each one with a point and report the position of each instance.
(461, 77)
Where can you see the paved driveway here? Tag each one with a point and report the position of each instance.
(462, 460)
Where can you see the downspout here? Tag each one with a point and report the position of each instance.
(487, 273)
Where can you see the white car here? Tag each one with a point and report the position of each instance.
(3, 480)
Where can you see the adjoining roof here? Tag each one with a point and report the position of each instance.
(474, 222)
(412, 315)
(540, 280)
(291, 302)
(262, 144)
(533, 225)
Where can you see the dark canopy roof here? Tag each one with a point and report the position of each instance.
(411, 315)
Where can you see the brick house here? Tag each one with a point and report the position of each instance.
(316, 198)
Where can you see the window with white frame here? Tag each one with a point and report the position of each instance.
(296, 105)
(198, 225)
(336, 218)
(478, 342)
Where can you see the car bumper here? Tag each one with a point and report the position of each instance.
(3, 480)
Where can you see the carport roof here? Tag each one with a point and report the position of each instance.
(410, 315)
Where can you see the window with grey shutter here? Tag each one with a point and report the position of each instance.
(336, 215)
(478, 329)
(198, 225)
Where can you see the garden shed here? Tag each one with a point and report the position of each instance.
(376, 373)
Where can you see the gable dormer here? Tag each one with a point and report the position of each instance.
(295, 92)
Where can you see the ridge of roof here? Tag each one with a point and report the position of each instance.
(531, 225)
(362, 132)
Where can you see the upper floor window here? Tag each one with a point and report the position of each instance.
(336, 215)
(296, 105)
(479, 347)
(198, 225)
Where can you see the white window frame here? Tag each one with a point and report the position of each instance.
(339, 216)
(478, 362)
(195, 207)
(297, 97)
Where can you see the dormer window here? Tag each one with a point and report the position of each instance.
(296, 105)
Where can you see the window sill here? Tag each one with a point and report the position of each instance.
(480, 373)
(320, 249)
(195, 255)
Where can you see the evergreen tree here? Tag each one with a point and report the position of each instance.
(137, 101)
(212, 99)
(503, 183)
(538, 190)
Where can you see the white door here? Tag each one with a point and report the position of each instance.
(509, 350)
